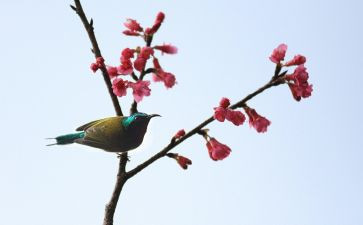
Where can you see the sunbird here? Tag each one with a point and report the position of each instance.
(113, 134)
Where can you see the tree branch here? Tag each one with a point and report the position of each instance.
(121, 175)
(274, 82)
(96, 51)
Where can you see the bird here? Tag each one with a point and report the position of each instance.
(113, 134)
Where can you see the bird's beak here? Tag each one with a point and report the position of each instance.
(153, 115)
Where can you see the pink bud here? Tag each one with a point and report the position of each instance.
(183, 161)
(217, 150)
(130, 33)
(132, 25)
(140, 63)
(278, 54)
(169, 49)
(224, 103)
(100, 61)
(160, 17)
(220, 114)
(94, 67)
(112, 71)
(297, 60)
(236, 117)
(179, 134)
(127, 54)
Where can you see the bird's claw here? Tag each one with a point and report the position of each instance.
(120, 154)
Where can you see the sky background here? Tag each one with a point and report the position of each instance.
(306, 170)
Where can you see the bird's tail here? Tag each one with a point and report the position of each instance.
(67, 138)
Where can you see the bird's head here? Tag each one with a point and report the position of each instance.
(138, 120)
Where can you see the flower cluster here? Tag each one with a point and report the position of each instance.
(134, 60)
(298, 81)
(222, 112)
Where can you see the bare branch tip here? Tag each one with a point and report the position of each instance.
(73, 8)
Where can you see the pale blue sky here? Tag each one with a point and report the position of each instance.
(306, 170)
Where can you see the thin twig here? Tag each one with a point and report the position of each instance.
(96, 50)
(172, 144)
(121, 175)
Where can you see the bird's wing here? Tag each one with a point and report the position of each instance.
(108, 132)
(87, 125)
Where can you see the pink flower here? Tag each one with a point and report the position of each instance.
(159, 19)
(168, 78)
(160, 75)
(301, 91)
(297, 60)
(112, 71)
(94, 67)
(125, 68)
(236, 117)
(140, 89)
(127, 54)
(132, 25)
(298, 83)
(179, 134)
(278, 53)
(217, 150)
(183, 161)
(260, 123)
(169, 49)
(224, 103)
(119, 87)
(299, 76)
(156, 63)
(220, 113)
(130, 33)
(139, 63)
(146, 52)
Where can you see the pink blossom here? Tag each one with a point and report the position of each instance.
(140, 63)
(220, 113)
(160, 17)
(217, 150)
(132, 25)
(112, 71)
(300, 75)
(179, 134)
(183, 161)
(146, 52)
(260, 123)
(125, 68)
(156, 63)
(168, 78)
(140, 89)
(167, 48)
(224, 103)
(94, 67)
(297, 60)
(119, 87)
(130, 33)
(127, 53)
(302, 90)
(278, 53)
(298, 83)
(236, 117)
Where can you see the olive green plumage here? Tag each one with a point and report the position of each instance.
(113, 134)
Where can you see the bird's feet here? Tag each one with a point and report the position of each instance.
(120, 154)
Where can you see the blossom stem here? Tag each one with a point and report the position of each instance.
(198, 129)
